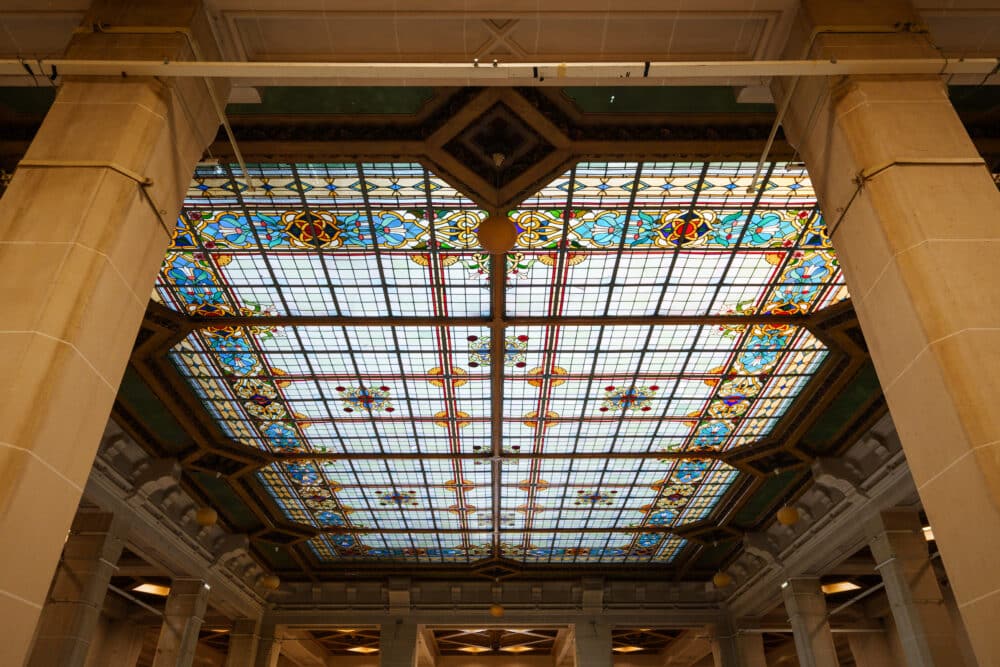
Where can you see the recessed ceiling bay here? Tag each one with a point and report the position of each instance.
(570, 402)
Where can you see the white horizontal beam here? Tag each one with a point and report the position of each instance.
(501, 74)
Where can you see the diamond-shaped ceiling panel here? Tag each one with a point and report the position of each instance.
(346, 322)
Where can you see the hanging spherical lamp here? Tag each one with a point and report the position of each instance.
(270, 582)
(497, 235)
(721, 579)
(788, 516)
(496, 611)
(206, 517)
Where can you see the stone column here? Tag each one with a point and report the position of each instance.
(80, 245)
(425, 654)
(871, 649)
(69, 618)
(593, 645)
(750, 646)
(121, 646)
(925, 630)
(182, 621)
(724, 649)
(398, 643)
(915, 218)
(806, 608)
(243, 641)
(269, 646)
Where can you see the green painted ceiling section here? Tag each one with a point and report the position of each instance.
(975, 98)
(27, 101)
(661, 99)
(277, 557)
(137, 395)
(713, 556)
(233, 509)
(862, 388)
(774, 487)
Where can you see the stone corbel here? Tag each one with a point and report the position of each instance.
(114, 446)
(839, 474)
(158, 475)
(764, 547)
(229, 546)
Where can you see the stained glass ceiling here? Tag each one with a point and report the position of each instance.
(421, 409)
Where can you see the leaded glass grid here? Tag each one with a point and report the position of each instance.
(383, 433)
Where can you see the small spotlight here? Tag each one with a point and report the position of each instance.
(928, 533)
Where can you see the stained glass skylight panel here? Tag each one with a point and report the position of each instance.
(327, 389)
(621, 239)
(612, 434)
(350, 239)
(654, 388)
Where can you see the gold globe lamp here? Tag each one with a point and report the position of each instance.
(206, 517)
(787, 516)
(722, 579)
(497, 235)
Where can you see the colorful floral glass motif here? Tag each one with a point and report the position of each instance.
(628, 398)
(614, 404)
(370, 399)
(324, 239)
(514, 351)
(673, 239)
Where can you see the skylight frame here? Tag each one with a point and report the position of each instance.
(422, 548)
